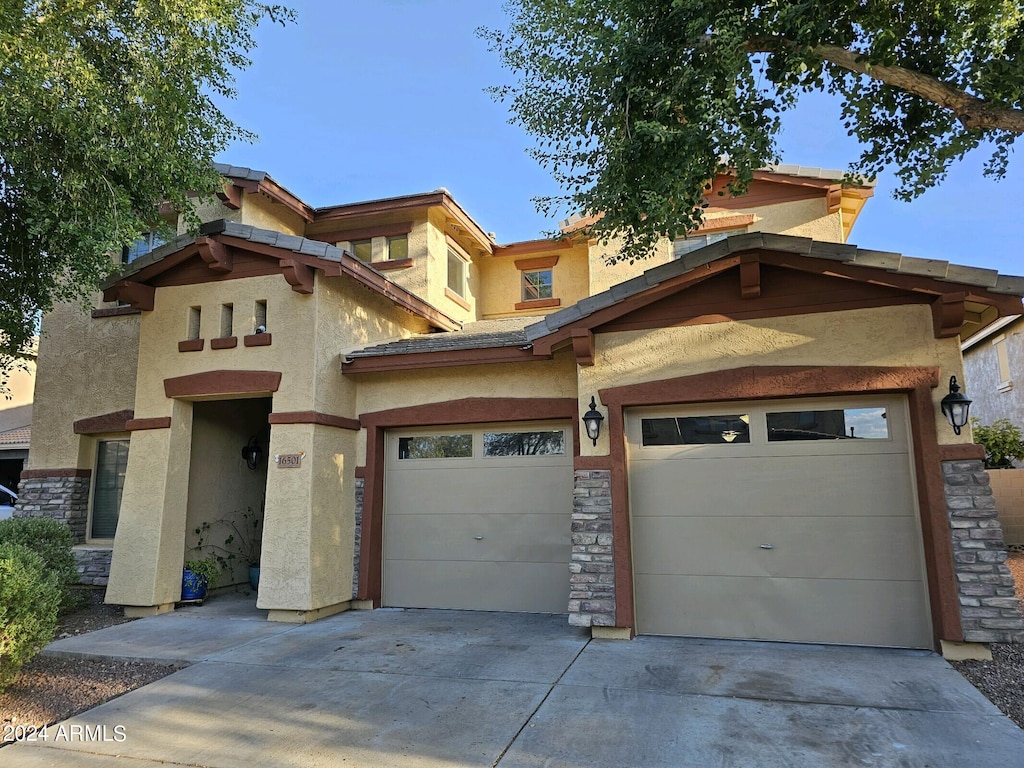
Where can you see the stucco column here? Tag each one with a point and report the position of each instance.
(309, 524)
(149, 547)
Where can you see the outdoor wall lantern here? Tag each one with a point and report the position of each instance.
(955, 406)
(593, 419)
(252, 452)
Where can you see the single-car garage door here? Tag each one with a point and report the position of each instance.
(479, 518)
(781, 520)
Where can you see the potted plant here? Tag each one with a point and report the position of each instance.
(198, 577)
(243, 536)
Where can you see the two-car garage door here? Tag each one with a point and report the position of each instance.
(479, 517)
(784, 520)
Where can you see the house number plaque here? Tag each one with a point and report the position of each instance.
(289, 460)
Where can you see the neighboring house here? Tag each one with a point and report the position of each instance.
(409, 395)
(16, 423)
(993, 367)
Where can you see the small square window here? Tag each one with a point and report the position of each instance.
(144, 244)
(398, 248)
(456, 273)
(362, 250)
(537, 285)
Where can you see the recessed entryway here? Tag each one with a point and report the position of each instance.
(786, 520)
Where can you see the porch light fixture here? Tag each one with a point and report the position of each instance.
(593, 419)
(252, 452)
(955, 406)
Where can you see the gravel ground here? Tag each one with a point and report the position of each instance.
(49, 690)
(1002, 679)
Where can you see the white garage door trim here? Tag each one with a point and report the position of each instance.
(732, 539)
(474, 531)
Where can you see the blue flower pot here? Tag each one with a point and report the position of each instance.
(254, 576)
(193, 586)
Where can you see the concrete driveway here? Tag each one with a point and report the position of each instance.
(444, 688)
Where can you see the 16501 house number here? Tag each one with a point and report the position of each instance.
(289, 460)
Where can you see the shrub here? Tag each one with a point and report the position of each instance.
(30, 597)
(1002, 441)
(51, 540)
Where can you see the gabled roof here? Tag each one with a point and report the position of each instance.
(960, 297)
(296, 257)
(17, 437)
(986, 281)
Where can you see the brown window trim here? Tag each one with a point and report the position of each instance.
(115, 312)
(539, 303)
(384, 266)
(192, 345)
(225, 342)
(258, 340)
(541, 262)
(449, 293)
(157, 422)
(365, 233)
(107, 422)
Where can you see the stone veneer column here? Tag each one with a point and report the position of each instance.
(358, 537)
(592, 566)
(989, 611)
(57, 497)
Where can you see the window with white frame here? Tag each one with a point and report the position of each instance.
(456, 273)
(537, 284)
(108, 482)
(698, 240)
(396, 248)
(144, 244)
(362, 250)
(1003, 361)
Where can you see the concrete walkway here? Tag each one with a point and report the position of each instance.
(445, 688)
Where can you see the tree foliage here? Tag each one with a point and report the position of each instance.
(107, 109)
(635, 103)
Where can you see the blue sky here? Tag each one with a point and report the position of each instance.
(361, 100)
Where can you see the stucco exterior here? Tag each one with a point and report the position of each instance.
(993, 398)
(353, 352)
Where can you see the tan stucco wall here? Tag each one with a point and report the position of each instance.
(802, 218)
(149, 548)
(888, 336)
(349, 318)
(209, 209)
(308, 554)
(16, 401)
(260, 211)
(437, 273)
(501, 282)
(291, 320)
(86, 367)
(544, 378)
(412, 278)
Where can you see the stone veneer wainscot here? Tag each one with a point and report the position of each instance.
(592, 565)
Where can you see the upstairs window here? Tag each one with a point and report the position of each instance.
(696, 241)
(144, 244)
(456, 274)
(362, 250)
(537, 284)
(397, 248)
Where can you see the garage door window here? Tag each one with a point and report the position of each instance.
(697, 430)
(524, 443)
(436, 447)
(838, 424)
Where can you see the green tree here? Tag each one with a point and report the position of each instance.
(635, 103)
(107, 109)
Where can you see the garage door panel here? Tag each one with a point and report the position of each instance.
(806, 537)
(479, 586)
(810, 610)
(801, 547)
(481, 489)
(816, 485)
(524, 537)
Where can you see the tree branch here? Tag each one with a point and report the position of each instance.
(975, 114)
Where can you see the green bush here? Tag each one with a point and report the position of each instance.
(30, 597)
(1002, 441)
(51, 540)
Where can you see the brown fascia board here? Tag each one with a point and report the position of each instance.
(408, 202)
(439, 359)
(527, 247)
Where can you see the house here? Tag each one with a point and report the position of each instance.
(993, 358)
(16, 422)
(401, 398)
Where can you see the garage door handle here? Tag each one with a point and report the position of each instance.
(479, 538)
(767, 546)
